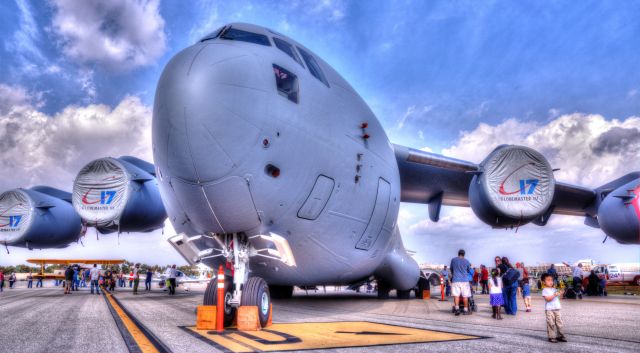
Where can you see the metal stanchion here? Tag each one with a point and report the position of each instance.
(220, 303)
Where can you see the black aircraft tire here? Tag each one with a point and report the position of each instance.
(281, 292)
(211, 298)
(383, 290)
(256, 293)
(423, 284)
(403, 294)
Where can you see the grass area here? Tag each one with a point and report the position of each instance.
(623, 289)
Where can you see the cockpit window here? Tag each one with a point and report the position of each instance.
(286, 82)
(288, 49)
(213, 35)
(245, 36)
(313, 66)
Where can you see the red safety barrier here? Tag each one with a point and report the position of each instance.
(220, 303)
(442, 299)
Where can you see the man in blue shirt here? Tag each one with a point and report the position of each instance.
(447, 284)
(460, 282)
(147, 281)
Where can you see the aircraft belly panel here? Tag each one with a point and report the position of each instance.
(378, 217)
(317, 199)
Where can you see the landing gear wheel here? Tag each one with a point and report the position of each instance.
(211, 298)
(256, 293)
(281, 292)
(423, 285)
(403, 294)
(383, 290)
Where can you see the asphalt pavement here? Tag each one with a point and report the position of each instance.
(45, 320)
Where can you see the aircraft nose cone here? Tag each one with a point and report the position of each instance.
(206, 111)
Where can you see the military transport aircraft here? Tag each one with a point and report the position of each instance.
(269, 161)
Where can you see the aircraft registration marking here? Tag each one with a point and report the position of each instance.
(321, 335)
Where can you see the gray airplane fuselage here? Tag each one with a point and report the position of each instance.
(234, 155)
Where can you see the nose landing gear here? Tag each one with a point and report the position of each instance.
(239, 288)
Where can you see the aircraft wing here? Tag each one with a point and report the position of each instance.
(73, 261)
(436, 180)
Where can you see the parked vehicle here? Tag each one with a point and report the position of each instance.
(615, 275)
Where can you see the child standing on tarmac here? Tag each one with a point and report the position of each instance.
(526, 293)
(495, 294)
(552, 309)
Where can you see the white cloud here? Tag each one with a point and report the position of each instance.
(41, 149)
(36, 148)
(85, 80)
(53, 69)
(589, 149)
(207, 24)
(480, 110)
(23, 44)
(12, 97)
(334, 9)
(405, 116)
(553, 113)
(284, 25)
(119, 34)
(410, 113)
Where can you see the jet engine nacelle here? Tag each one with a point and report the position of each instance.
(119, 195)
(38, 218)
(513, 186)
(619, 213)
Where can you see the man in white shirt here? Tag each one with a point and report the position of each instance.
(94, 275)
(172, 280)
(578, 274)
(136, 278)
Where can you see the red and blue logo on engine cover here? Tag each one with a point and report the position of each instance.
(14, 221)
(106, 197)
(527, 186)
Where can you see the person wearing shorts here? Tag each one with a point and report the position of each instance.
(460, 282)
(526, 294)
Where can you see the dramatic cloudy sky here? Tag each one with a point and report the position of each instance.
(77, 80)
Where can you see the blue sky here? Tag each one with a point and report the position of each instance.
(457, 77)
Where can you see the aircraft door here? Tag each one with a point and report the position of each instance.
(317, 199)
(378, 216)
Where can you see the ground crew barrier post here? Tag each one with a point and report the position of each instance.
(220, 303)
(442, 299)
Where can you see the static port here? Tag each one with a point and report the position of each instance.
(265, 143)
(272, 170)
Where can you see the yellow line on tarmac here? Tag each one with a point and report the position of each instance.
(141, 340)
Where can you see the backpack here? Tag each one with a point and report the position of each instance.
(510, 277)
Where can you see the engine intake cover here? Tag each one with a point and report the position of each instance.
(30, 218)
(515, 185)
(619, 213)
(15, 215)
(113, 194)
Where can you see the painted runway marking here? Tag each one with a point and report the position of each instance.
(137, 337)
(321, 335)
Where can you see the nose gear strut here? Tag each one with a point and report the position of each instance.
(240, 289)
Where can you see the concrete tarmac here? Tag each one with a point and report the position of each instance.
(45, 320)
